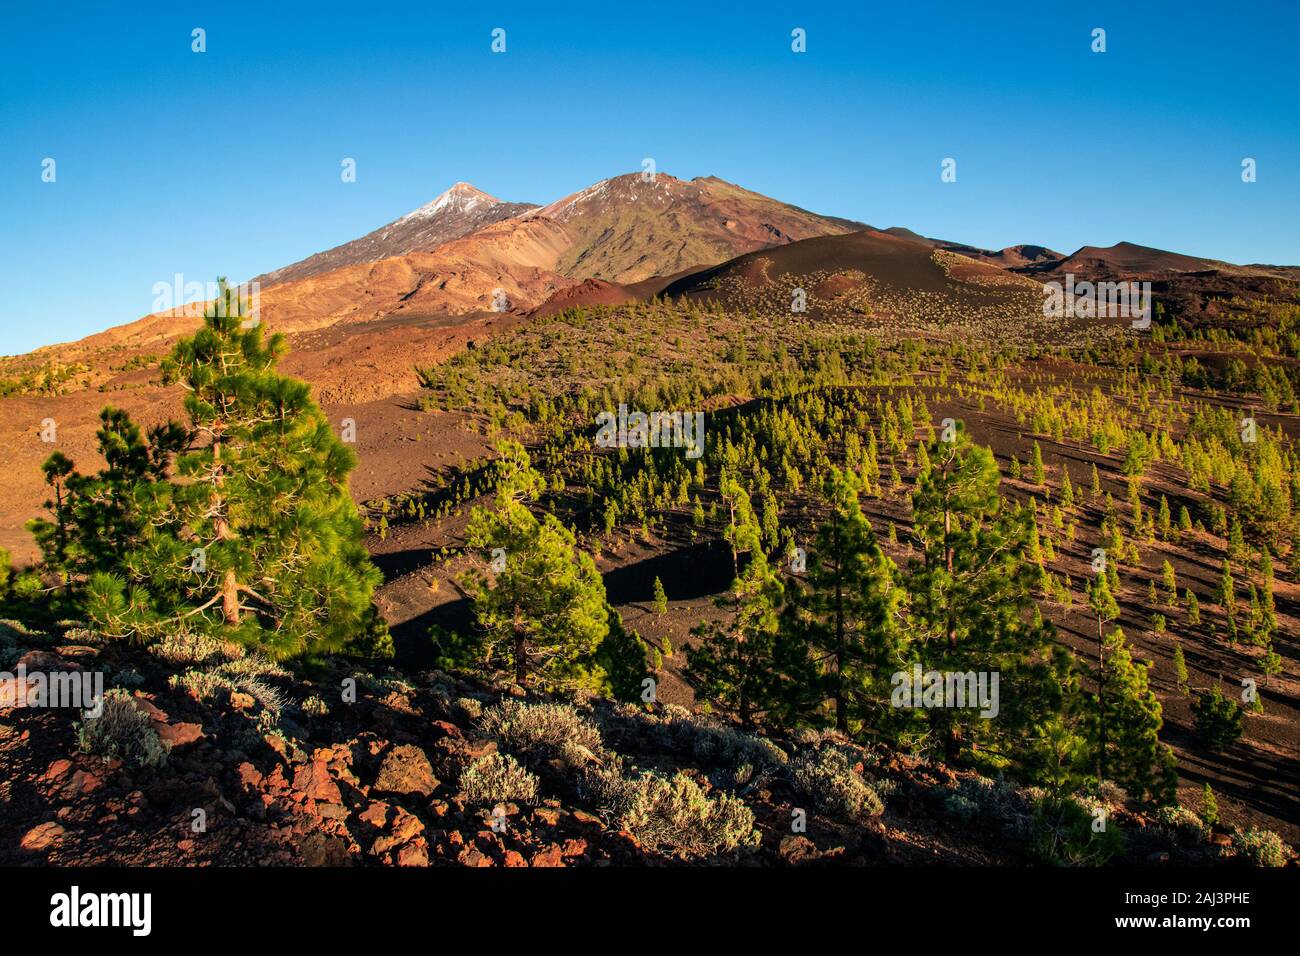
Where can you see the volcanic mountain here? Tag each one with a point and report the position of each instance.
(620, 230)
(899, 282)
(628, 228)
(1012, 257)
(1127, 260)
(460, 210)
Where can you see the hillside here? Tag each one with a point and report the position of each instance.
(881, 279)
(460, 210)
(394, 779)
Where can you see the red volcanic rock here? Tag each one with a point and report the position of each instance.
(406, 770)
(313, 782)
(42, 837)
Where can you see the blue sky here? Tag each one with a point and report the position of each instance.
(228, 162)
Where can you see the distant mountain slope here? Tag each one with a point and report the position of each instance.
(1128, 260)
(870, 256)
(1012, 257)
(460, 210)
(897, 283)
(627, 229)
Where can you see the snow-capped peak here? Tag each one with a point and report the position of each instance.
(460, 198)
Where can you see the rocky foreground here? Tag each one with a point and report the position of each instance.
(206, 755)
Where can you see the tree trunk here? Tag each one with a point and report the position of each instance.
(521, 652)
(1101, 707)
(947, 561)
(230, 598)
(841, 715)
(221, 528)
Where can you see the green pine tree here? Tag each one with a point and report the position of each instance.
(660, 599)
(971, 599)
(1129, 731)
(542, 611)
(1209, 806)
(255, 533)
(1036, 465)
(1226, 594)
(1169, 581)
(1105, 608)
(847, 613)
(1181, 676)
(1217, 719)
(1067, 489)
(742, 668)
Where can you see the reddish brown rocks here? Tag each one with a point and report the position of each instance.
(313, 782)
(406, 770)
(42, 837)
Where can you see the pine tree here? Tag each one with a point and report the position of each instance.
(660, 597)
(1193, 607)
(1217, 719)
(1268, 602)
(259, 535)
(1226, 595)
(1163, 519)
(102, 517)
(971, 599)
(1209, 806)
(1067, 489)
(742, 668)
(543, 611)
(1094, 485)
(742, 531)
(1105, 608)
(847, 614)
(621, 660)
(1180, 669)
(1129, 731)
(1036, 465)
(1236, 541)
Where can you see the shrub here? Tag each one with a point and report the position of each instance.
(963, 808)
(541, 731)
(827, 779)
(992, 801)
(674, 814)
(497, 778)
(1063, 834)
(202, 685)
(251, 666)
(122, 731)
(216, 683)
(712, 742)
(1182, 822)
(1217, 719)
(187, 648)
(470, 707)
(1262, 847)
(314, 706)
(697, 738)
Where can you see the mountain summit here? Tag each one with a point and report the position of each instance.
(631, 227)
(460, 210)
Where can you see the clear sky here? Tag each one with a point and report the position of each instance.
(228, 162)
